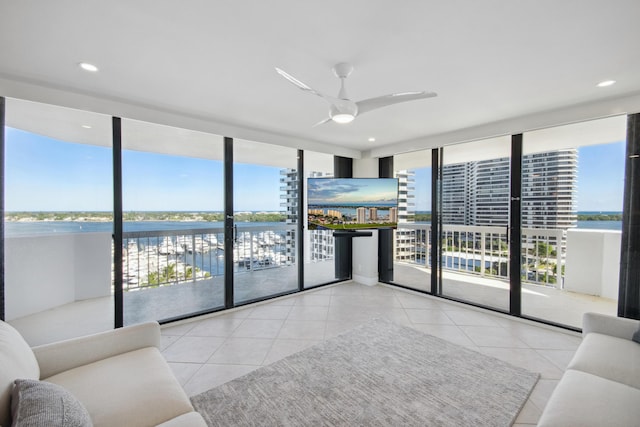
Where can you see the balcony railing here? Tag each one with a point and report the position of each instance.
(165, 257)
(484, 251)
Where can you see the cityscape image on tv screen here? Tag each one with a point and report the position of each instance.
(352, 203)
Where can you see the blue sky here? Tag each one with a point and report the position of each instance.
(341, 190)
(49, 175)
(600, 179)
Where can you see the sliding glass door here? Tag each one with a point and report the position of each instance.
(58, 221)
(475, 220)
(573, 178)
(319, 245)
(265, 205)
(173, 241)
(412, 238)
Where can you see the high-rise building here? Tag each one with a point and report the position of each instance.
(289, 192)
(393, 214)
(405, 239)
(549, 182)
(361, 215)
(320, 241)
(406, 189)
(373, 214)
(477, 193)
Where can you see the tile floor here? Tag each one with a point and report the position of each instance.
(209, 351)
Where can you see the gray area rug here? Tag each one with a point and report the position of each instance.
(379, 374)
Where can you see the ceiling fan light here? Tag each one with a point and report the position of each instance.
(343, 118)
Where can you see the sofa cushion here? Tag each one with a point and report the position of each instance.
(609, 357)
(39, 403)
(16, 361)
(585, 400)
(132, 389)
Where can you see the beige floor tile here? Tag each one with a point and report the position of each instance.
(560, 358)
(219, 326)
(470, 317)
(312, 299)
(304, 312)
(254, 328)
(178, 330)
(435, 317)
(184, 371)
(192, 349)
(242, 351)
(492, 336)
(527, 359)
(303, 329)
(415, 301)
(270, 312)
(541, 338)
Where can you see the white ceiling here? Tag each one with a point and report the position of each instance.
(498, 66)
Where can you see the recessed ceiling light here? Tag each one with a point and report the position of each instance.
(88, 67)
(86, 126)
(606, 83)
(372, 139)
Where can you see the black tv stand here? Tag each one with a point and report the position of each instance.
(352, 233)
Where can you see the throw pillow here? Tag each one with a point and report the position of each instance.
(39, 403)
(636, 336)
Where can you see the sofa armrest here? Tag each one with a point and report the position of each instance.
(609, 325)
(64, 355)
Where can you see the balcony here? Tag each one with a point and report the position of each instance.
(564, 273)
(170, 273)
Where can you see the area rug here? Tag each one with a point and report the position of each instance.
(379, 374)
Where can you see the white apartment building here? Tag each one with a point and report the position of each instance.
(405, 240)
(289, 193)
(477, 193)
(320, 244)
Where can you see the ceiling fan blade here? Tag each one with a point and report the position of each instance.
(395, 98)
(321, 122)
(301, 85)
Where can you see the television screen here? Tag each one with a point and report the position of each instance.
(352, 203)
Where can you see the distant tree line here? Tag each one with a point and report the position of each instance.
(145, 216)
(600, 217)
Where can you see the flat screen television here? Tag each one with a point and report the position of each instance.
(352, 203)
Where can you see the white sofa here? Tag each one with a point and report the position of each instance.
(601, 386)
(119, 376)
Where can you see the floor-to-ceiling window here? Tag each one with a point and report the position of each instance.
(173, 241)
(58, 221)
(265, 205)
(475, 219)
(319, 256)
(572, 192)
(412, 238)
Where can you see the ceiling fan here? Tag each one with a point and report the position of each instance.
(344, 110)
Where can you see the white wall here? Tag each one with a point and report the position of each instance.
(365, 168)
(365, 259)
(43, 272)
(365, 249)
(593, 262)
